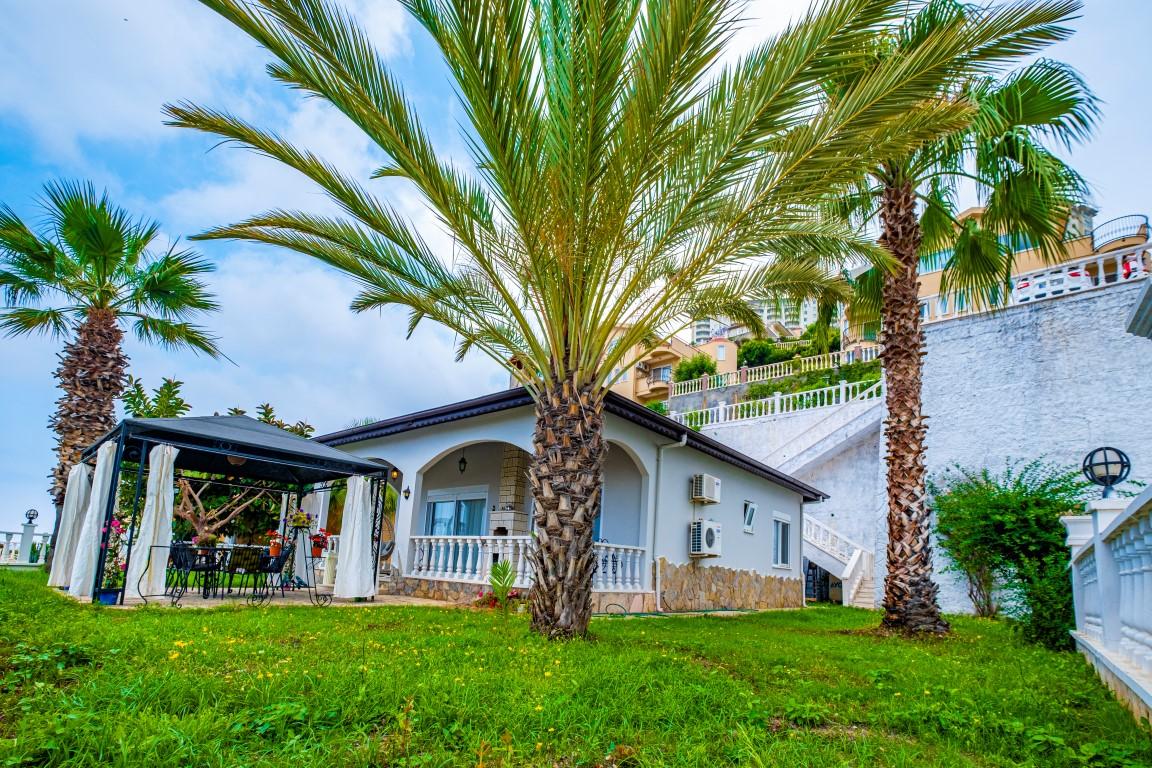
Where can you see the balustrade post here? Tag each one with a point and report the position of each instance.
(1103, 512)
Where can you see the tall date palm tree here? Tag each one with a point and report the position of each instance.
(1027, 192)
(86, 274)
(621, 177)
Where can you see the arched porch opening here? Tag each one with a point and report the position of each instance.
(471, 508)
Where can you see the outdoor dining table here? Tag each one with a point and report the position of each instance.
(213, 564)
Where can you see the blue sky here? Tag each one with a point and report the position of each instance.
(82, 84)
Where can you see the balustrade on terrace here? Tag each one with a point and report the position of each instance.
(468, 559)
(1112, 589)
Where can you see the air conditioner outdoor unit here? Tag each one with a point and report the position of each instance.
(706, 489)
(642, 367)
(704, 538)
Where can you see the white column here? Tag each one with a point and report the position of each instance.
(1103, 512)
(27, 532)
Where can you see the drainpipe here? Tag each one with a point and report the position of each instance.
(656, 508)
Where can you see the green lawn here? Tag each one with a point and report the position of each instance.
(416, 686)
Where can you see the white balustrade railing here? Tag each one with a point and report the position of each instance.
(1093, 624)
(619, 568)
(775, 370)
(829, 540)
(329, 562)
(1072, 277)
(1112, 579)
(469, 559)
(857, 560)
(18, 547)
(781, 403)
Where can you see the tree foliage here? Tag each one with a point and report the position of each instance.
(267, 414)
(166, 401)
(694, 367)
(757, 352)
(1002, 530)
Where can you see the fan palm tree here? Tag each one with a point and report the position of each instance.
(1027, 192)
(87, 274)
(623, 179)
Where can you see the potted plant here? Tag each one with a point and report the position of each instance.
(319, 542)
(300, 519)
(275, 543)
(206, 542)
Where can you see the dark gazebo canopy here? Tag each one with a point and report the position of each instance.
(238, 446)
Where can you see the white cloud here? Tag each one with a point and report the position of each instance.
(286, 324)
(103, 70)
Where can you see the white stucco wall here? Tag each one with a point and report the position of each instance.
(1052, 379)
(633, 454)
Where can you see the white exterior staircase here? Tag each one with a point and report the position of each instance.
(848, 561)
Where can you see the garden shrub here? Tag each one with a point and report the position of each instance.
(694, 367)
(804, 382)
(757, 352)
(660, 406)
(1003, 532)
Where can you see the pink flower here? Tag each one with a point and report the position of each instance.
(123, 566)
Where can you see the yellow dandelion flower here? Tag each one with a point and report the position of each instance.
(548, 673)
(539, 708)
(173, 655)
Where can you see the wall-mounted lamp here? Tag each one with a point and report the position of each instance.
(463, 464)
(407, 493)
(394, 474)
(237, 461)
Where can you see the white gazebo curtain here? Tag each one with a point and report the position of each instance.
(355, 571)
(71, 519)
(83, 571)
(153, 538)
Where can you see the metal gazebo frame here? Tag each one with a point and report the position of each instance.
(232, 448)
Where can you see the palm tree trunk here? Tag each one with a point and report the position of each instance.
(566, 472)
(909, 593)
(92, 375)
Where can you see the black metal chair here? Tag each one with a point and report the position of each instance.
(269, 575)
(244, 564)
(195, 566)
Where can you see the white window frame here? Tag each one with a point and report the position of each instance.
(750, 520)
(781, 522)
(460, 493)
(721, 352)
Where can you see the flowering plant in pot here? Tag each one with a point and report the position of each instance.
(319, 542)
(299, 519)
(275, 543)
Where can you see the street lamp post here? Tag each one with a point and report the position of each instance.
(1107, 467)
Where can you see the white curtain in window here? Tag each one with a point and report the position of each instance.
(71, 519)
(88, 543)
(355, 571)
(154, 534)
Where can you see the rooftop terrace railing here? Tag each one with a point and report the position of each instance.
(1079, 276)
(1118, 229)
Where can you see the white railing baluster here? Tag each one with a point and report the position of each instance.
(469, 559)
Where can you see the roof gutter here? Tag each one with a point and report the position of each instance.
(656, 509)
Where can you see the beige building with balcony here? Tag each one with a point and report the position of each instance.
(650, 378)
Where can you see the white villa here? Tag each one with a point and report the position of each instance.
(687, 522)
